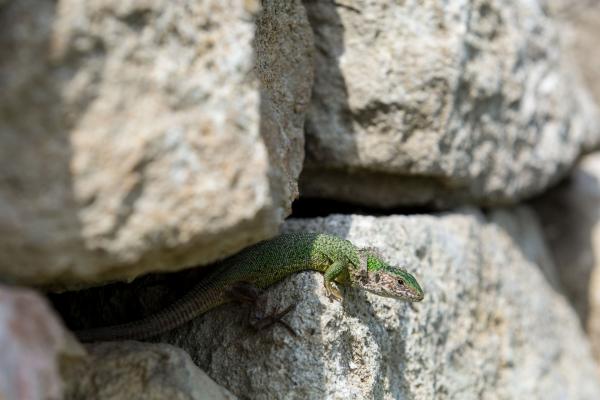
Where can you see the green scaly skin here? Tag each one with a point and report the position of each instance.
(269, 262)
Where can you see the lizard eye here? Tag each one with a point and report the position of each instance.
(401, 282)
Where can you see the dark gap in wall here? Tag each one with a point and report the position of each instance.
(126, 301)
(122, 302)
(315, 207)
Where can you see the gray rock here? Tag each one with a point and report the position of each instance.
(133, 370)
(135, 136)
(34, 346)
(580, 30)
(491, 326)
(441, 103)
(570, 216)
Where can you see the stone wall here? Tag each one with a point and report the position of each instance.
(140, 137)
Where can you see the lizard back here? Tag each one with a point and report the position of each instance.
(261, 265)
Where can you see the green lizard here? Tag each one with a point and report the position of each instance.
(266, 263)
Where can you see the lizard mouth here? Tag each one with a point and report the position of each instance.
(412, 296)
(417, 297)
(406, 296)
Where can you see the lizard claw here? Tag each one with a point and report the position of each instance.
(332, 292)
(274, 318)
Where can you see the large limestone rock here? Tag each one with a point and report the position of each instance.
(34, 347)
(491, 325)
(571, 219)
(134, 370)
(436, 103)
(136, 135)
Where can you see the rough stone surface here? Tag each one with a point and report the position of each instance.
(570, 215)
(580, 31)
(136, 135)
(490, 326)
(429, 102)
(134, 370)
(284, 62)
(33, 347)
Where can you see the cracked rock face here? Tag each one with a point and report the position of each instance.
(134, 136)
(441, 103)
(491, 326)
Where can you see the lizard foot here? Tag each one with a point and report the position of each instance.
(246, 292)
(332, 292)
(275, 317)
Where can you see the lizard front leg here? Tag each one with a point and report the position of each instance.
(332, 272)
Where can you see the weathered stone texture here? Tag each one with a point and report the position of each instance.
(571, 219)
(34, 346)
(429, 102)
(136, 135)
(134, 370)
(579, 34)
(490, 327)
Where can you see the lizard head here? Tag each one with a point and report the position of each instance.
(377, 276)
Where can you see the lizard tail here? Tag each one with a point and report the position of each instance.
(193, 304)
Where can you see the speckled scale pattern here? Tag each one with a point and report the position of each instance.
(268, 262)
(261, 265)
